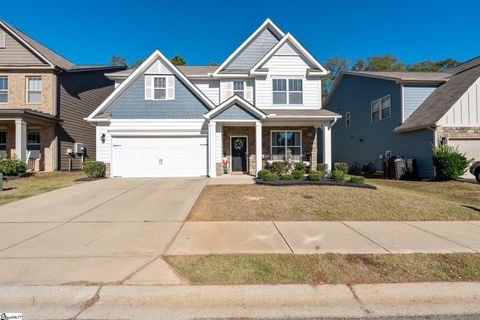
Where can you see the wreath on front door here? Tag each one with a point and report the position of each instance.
(238, 144)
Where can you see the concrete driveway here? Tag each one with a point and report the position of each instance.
(97, 232)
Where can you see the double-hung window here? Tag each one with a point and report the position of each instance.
(159, 88)
(3, 89)
(287, 91)
(286, 145)
(34, 89)
(239, 88)
(381, 109)
(33, 139)
(3, 140)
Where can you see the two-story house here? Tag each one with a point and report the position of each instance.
(405, 114)
(43, 100)
(262, 104)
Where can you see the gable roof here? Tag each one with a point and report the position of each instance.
(156, 55)
(291, 40)
(235, 100)
(266, 24)
(50, 57)
(444, 97)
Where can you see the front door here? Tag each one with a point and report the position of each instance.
(239, 154)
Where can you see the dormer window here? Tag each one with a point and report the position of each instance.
(2, 39)
(239, 88)
(287, 91)
(159, 87)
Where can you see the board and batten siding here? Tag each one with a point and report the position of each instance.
(466, 111)
(413, 97)
(211, 88)
(16, 53)
(365, 142)
(79, 94)
(253, 52)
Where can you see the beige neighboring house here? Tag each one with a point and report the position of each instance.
(43, 100)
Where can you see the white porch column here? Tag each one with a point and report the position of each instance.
(212, 166)
(327, 145)
(21, 139)
(258, 146)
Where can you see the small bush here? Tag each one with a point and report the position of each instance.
(338, 175)
(322, 167)
(261, 174)
(13, 167)
(340, 166)
(355, 169)
(369, 168)
(94, 169)
(301, 166)
(449, 163)
(271, 176)
(298, 174)
(279, 167)
(287, 177)
(315, 176)
(357, 179)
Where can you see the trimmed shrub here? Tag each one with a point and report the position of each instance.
(279, 167)
(261, 174)
(298, 174)
(338, 175)
(322, 167)
(315, 176)
(357, 179)
(355, 169)
(94, 169)
(13, 167)
(287, 177)
(369, 168)
(449, 163)
(340, 166)
(271, 176)
(301, 166)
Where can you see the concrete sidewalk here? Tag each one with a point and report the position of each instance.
(245, 301)
(222, 237)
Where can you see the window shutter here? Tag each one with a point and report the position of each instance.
(148, 88)
(170, 88)
(248, 91)
(228, 89)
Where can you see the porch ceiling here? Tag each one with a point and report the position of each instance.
(28, 115)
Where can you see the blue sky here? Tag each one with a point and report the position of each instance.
(205, 31)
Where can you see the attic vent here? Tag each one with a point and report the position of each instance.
(2, 39)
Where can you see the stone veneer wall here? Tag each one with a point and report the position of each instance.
(240, 131)
(457, 132)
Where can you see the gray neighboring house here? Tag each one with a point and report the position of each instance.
(405, 113)
(43, 100)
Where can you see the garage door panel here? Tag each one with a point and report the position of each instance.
(159, 157)
(471, 148)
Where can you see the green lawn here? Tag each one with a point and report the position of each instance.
(327, 268)
(392, 201)
(40, 182)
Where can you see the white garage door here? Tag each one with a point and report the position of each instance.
(471, 147)
(159, 157)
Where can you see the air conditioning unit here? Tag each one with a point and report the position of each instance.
(78, 148)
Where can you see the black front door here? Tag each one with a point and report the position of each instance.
(239, 154)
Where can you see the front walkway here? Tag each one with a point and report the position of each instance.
(309, 237)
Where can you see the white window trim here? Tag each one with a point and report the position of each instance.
(286, 78)
(27, 90)
(169, 87)
(244, 88)
(153, 87)
(7, 91)
(348, 119)
(286, 144)
(380, 118)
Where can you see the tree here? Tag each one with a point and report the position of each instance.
(213, 63)
(359, 65)
(137, 63)
(433, 66)
(118, 61)
(335, 65)
(384, 63)
(178, 61)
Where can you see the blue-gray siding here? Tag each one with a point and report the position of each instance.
(132, 104)
(235, 112)
(413, 97)
(363, 141)
(251, 54)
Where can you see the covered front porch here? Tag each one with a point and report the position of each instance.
(249, 140)
(29, 136)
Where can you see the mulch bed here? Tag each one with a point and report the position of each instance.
(323, 182)
(87, 179)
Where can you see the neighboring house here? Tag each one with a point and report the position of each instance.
(43, 100)
(405, 113)
(262, 104)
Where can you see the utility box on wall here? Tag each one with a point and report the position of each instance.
(78, 148)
